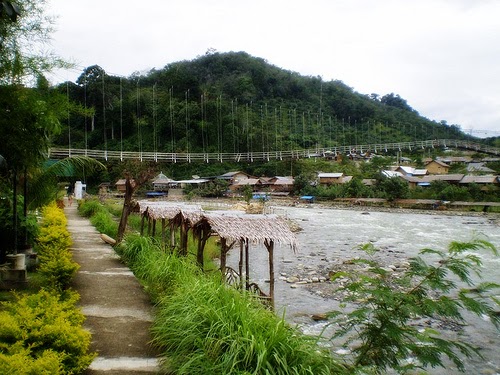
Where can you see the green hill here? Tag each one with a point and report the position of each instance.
(233, 102)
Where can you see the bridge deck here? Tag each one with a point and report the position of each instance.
(60, 153)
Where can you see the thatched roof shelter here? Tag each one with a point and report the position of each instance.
(232, 229)
(256, 229)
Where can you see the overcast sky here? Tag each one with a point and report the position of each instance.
(442, 56)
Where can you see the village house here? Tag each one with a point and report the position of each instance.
(450, 178)
(480, 180)
(281, 184)
(120, 185)
(411, 171)
(234, 177)
(479, 168)
(330, 178)
(437, 167)
(161, 182)
(450, 160)
(240, 185)
(104, 188)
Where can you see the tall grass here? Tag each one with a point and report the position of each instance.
(206, 327)
(99, 216)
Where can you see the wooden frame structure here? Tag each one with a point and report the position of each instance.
(232, 229)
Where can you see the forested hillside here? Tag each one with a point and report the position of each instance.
(231, 103)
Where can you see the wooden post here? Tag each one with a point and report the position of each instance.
(240, 265)
(154, 228)
(202, 240)
(163, 235)
(247, 267)
(270, 248)
(184, 237)
(142, 223)
(223, 252)
(172, 235)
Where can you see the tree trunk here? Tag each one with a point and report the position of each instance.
(127, 209)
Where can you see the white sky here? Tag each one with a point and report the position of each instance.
(442, 56)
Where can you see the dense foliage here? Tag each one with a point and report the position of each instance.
(233, 102)
(53, 248)
(41, 332)
(382, 329)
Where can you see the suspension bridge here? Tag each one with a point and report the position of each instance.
(259, 156)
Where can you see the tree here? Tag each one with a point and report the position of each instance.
(136, 175)
(394, 188)
(382, 326)
(396, 101)
(10, 10)
(24, 29)
(29, 116)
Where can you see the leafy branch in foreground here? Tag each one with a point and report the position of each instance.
(382, 326)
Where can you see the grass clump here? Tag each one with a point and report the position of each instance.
(99, 216)
(206, 327)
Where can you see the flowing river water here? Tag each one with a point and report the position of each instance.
(330, 236)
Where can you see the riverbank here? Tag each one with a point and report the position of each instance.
(330, 239)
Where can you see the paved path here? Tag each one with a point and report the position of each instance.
(118, 311)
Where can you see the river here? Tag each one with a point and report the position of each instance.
(330, 236)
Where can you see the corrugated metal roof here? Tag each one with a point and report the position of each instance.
(330, 175)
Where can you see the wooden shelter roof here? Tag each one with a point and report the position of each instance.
(160, 210)
(254, 228)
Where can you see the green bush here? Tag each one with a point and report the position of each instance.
(55, 258)
(53, 232)
(100, 217)
(58, 270)
(43, 331)
(21, 362)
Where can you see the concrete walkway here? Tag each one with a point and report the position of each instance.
(118, 311)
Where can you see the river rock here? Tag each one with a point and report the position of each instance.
(319, 317)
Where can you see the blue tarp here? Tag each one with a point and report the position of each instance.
(261, 196)
(156, 194)
(309, 198)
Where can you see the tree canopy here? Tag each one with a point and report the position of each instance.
(234, 102)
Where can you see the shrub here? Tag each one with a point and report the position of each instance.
(22, 363)
(58, 270)
(380, 326)
(53, 232)
(43, 331)
(53, 251)
(104, 223)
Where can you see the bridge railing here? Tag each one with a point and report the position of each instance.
(175, 157)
